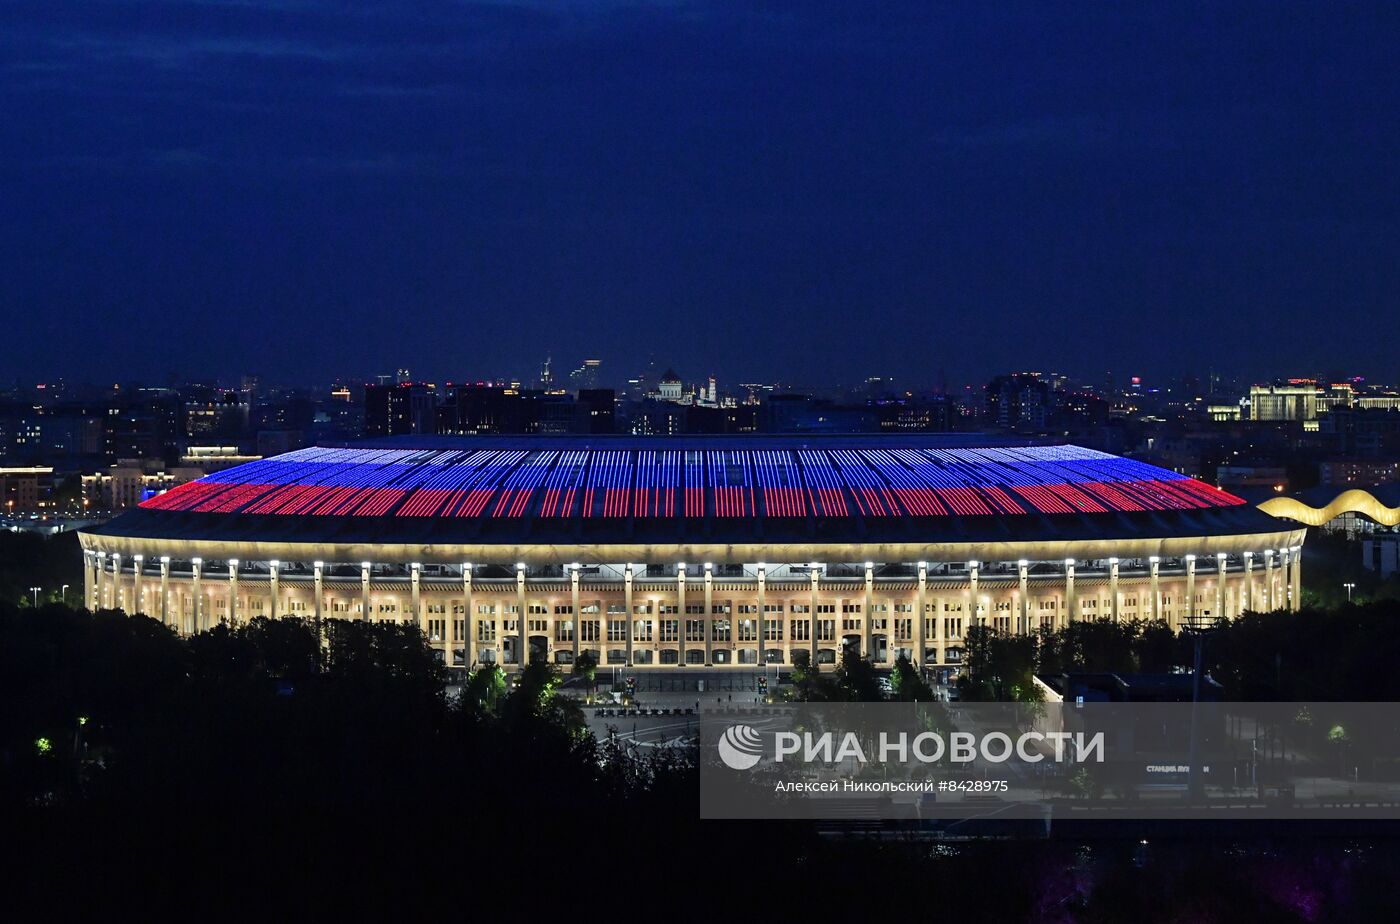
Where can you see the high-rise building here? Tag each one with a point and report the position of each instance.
(597, 410)
(22, 486)
(587, 375)
(394, 410)
(220, 414)
(483, 409)
(1296, 399)
(1019, 401)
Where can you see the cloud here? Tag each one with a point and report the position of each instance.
(530, 163)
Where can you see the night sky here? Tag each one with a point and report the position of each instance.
(791, 191)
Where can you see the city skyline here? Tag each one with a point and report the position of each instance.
(526, 373)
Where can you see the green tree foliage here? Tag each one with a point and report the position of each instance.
(1348, 653)
(586, 666)
(535, 701)
(856, 681)
(1000, 667)
(853, 681)
(906, 685)
(1329, 563)
(294, 732)
(484, 691)
(31, 560)
(809, 685)
(306, 770)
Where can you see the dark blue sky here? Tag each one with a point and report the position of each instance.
(786, 190)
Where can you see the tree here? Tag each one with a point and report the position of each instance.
(801, 665)
(906, 686)
(119, 737)
(30, 560)
(586, 666)
(1015, 664)
(809, 685)
(1157, 649)
(855, 679)
(67, 495)
(535, 687)
(483, 692)
(1002, 667)
(1050, 655)
(1100, 644)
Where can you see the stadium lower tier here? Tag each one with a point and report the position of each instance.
(714, 614)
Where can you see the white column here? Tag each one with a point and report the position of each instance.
(137, 563)
(318, 583)
(364, 591)
(468, 624)
(707, 622)
(974, 571)
(1247, 602)
(967, 609)
(1191, 589)
(865, 611)
(1285, 560)
(1220, 562)
(233, 591)
(197, 616)
(762, 597)
(117, 582)
(274, 585)
(1153, 563)
(101, 581)
(680, 609)
(89, 580)
(1296, 587)
(627, 605)
(165, 591)
(812, 622)
(1269, 597)
(1023, 587)
(522, 641)
(575, 575)
(940, 620)
(1071, 601)
(920, 624)
(415, 571)
(1113, 588)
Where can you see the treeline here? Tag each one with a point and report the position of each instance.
(294, 770)
(855, 680)
(278, 748)
(1341, 654)
(28, 560)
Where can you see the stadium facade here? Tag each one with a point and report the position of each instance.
(723, 551)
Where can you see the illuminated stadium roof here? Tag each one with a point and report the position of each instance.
(717, 489)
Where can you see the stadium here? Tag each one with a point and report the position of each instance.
(695, 551)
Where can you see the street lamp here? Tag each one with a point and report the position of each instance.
(1198, 627)
(35, 592)
(63, 594)
(1348, 586)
